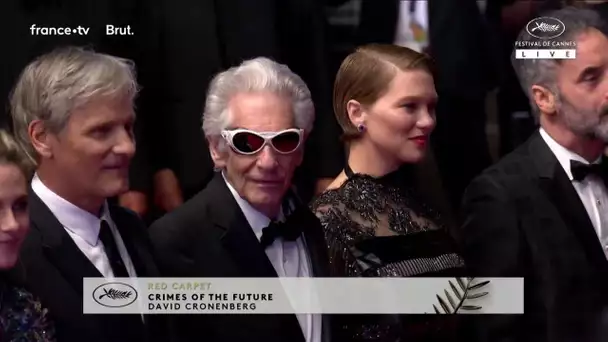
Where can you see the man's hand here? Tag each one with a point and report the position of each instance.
(167, 192)
(322, 184)
(135, 201)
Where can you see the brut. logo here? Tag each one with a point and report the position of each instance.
(115, 295)
(545, 27)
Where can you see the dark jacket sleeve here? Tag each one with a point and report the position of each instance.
(171, 244)
(491, 244)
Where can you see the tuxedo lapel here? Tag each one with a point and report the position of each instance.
(312, 230)
(238, 237)
(315, 243)
(572, 210)
(59, 247)
(138, 249)
(242, 244)
(73, 265)
(559, 189)
(317, 251)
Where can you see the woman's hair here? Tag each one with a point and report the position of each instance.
(365, 75)
(11, 153)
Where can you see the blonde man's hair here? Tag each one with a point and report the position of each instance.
(365, 74)
(51, 87)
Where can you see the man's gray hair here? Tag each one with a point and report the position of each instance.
(542, 72)
(256, 75)
(55, 84)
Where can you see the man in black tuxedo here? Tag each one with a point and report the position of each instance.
(539, 213)
(73, 111)
(247, 222)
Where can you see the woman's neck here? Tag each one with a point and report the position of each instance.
(365, 159)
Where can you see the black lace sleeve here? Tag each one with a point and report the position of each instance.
(335, 222)
(376, 230)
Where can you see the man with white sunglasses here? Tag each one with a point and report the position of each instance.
(247, 222)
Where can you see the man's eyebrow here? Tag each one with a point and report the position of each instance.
(588, 71)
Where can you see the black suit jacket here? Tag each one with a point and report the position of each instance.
(52, 267)
(210, 237)
(523, 218)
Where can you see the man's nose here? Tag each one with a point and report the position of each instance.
(427, 122)
(125, 144)
(8, 222)
(267, 158)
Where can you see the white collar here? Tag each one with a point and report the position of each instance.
(563, 155)
(255, 218)
(73, 218)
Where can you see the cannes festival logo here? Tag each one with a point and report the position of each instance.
(115, 295)
(545, 27)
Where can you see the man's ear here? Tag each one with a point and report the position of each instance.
(544, 99)
(40, 138)
(217, 149)
(356, 112)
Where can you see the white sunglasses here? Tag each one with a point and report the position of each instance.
(248, 142)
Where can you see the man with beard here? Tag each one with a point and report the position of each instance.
(539, 212)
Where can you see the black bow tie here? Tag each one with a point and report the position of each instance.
(290, 230)
(581, 170)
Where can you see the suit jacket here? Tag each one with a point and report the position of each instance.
(52, 267)
(200, 38)
(523, 218)
(209, 237)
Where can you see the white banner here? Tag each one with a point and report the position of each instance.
(545, 53)
(303, 295)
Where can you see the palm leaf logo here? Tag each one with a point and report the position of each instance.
(466, 289)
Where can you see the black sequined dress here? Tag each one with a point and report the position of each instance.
(22, 317)
(377, 227)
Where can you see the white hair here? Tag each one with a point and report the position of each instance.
(256, 75)
(55, 84)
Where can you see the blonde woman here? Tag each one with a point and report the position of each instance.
(375, 225)
(21, 316)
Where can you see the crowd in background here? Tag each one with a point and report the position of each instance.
(179, 45)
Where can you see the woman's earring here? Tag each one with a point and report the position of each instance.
(361, 127)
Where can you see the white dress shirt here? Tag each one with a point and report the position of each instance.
(404, 36)
(83, 227)
(592, 190)
(289, 259)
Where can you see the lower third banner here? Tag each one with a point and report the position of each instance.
(303, 295)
